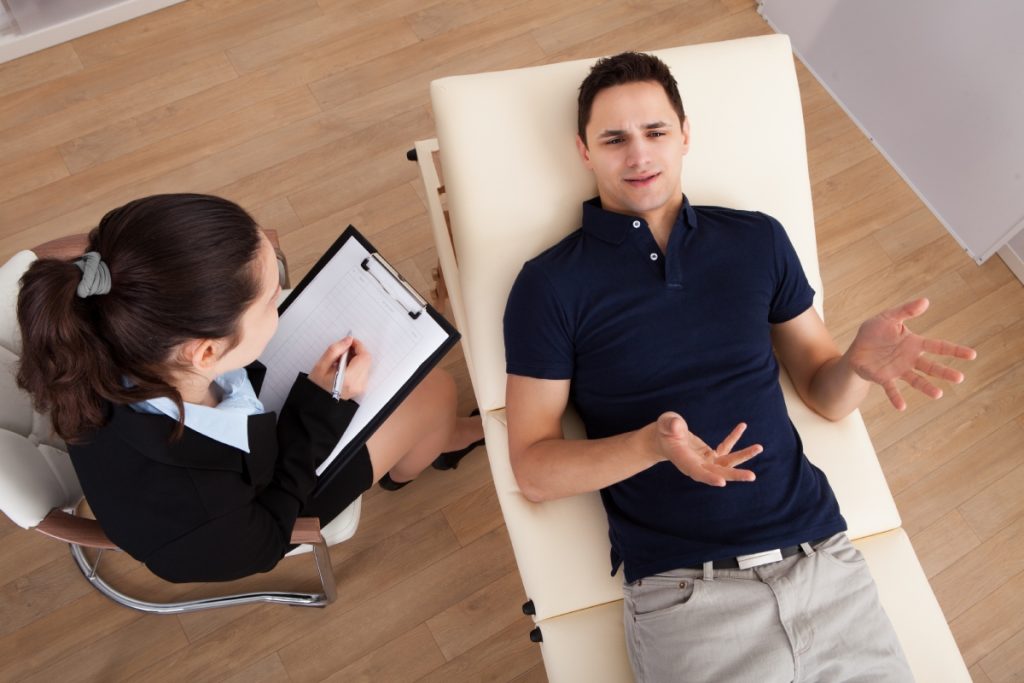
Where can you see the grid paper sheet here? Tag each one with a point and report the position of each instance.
(345, 297)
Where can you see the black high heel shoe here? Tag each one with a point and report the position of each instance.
(450, 460)
(389, 484)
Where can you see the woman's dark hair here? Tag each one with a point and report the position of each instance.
(626, 67)
(182, 267)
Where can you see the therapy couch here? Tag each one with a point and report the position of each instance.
(512, 186)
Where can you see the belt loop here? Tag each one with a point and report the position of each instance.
(709, 571)
(808, 550)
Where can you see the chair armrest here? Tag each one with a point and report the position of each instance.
(72, 529)
(87, 532)
(307, 530)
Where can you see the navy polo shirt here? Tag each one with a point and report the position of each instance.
(639, 332)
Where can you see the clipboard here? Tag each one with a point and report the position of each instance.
(353, 287)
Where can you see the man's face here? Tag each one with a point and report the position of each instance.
(635, 146)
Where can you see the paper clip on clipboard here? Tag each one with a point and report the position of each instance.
(394, 284)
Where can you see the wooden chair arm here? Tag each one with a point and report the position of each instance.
(72, 529)
(307, 530)
(87, 532)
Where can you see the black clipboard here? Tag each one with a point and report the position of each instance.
(386, 276)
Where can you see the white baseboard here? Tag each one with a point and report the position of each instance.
(1013, 260)
(14, 45)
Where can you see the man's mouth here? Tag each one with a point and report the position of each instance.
(642, 180)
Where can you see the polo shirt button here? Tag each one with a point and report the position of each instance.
(654, 257)
(636, 224)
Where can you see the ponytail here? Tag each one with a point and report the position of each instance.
(64, 364)
(181, 267)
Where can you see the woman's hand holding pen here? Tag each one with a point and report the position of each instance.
(356, 371)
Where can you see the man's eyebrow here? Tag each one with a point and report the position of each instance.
(647, 126)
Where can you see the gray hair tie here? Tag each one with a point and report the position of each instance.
(95, 275)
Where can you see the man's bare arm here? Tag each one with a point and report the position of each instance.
(548, 466)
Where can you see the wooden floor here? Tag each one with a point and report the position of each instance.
(302, 110)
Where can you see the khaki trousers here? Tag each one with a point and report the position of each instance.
(810, 617)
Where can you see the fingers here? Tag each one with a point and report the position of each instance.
(329, 359)
(730, 441)
(672, 425)
(740, 457)
(910, 309)
(941, 347)
(938, 370)
(895, 397)
(921, 384)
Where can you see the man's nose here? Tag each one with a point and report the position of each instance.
(637, 153)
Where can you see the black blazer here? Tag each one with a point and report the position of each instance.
(197, 509)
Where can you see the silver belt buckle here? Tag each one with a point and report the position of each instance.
(757, 559)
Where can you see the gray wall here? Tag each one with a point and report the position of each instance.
(939, 87)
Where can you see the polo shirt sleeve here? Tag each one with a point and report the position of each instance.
(538, 336)
(792, 294)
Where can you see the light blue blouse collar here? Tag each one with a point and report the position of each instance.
(227, 423)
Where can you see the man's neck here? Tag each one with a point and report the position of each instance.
(661, 220)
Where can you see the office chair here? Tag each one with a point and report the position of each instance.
(39, 489)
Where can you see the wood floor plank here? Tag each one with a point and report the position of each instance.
(475, 514)
(243, 22)
(991, 622)
(424, 55)
(269, 669)
(85, 113)
(1004, 663)
(31, 171)
(442, 17)
(407, 658)
(955, 482)
(39, 67)
(362, 108)
(695, 21)
(944, 542)
(479, 616)
(997, 505)
(111, 184)
(502, 657)
(536, 674)
(595, 20)
(119, 655)
(39, 592)
(968, 583)
(978, 674)
(368, 625)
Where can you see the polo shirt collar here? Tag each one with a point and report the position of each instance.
(614, 227)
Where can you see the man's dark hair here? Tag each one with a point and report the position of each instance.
(627, 67)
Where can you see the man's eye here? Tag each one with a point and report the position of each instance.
(613, 141)
(656, 133)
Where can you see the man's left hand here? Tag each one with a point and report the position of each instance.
(886, 350)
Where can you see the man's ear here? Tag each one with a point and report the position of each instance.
(686, 134)
(581, 147)
(201, 354)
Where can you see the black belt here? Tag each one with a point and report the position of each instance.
(734, 563)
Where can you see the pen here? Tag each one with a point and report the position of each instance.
(339, 376)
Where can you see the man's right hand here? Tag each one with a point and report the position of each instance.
(697, 460)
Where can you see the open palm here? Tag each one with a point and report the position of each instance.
(696, 459)
(885, 350)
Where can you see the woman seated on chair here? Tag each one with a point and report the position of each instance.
(164, 316)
